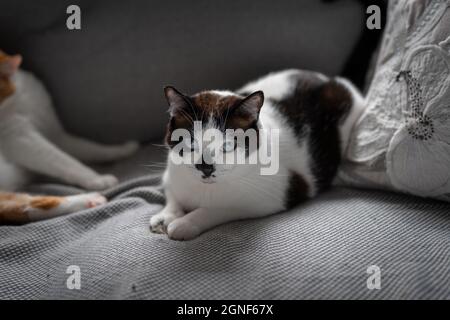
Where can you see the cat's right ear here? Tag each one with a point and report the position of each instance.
(176, 100)
(10, 64)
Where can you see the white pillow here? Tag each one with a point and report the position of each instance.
(402, 140)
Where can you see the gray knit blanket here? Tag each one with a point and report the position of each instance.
(344, 244)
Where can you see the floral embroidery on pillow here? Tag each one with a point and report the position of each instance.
(418, 157)
(402, 140)
(419, 126)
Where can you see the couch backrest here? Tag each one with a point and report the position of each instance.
(107, 78)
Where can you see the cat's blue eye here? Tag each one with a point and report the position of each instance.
(228, 146)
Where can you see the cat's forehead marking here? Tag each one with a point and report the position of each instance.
(216, 102)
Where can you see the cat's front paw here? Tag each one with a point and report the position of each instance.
(182, 229)
(101, 182)
(160, 221)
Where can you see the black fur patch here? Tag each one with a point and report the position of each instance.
(314, 110)
(297, 190)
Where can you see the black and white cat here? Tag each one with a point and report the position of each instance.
(313, 114)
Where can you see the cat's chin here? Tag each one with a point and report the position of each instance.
(208, 180)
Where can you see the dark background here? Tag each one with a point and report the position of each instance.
(106, 79)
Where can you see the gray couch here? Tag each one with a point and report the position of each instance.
(106, 81)
(107, 78)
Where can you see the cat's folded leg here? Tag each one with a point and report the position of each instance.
(91, 151)
(171, 211)
(198, 221)
(34, 152)
(18, 208)
(46, 207)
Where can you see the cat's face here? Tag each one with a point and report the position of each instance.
(211, 150)
(8, 66)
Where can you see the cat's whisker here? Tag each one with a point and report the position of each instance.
(160, 145)
(152, 170)
(153, 166)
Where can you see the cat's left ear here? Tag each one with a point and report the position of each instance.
(9, 65)
(251, 105)
(176, 100)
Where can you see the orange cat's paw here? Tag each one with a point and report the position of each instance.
(95, 200)
(45, 207)
(85, 201)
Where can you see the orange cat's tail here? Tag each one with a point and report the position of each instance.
(19, 208)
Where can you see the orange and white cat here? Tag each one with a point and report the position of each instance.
(32, 140)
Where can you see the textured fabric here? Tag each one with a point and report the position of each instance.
(402, 140)
(321, 249)
(110, 74)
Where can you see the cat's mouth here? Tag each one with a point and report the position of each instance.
(208, 180)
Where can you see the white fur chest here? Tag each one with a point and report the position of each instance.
(254, 193)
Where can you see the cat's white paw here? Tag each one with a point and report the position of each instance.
(95, 199)
(85, 201)
(101, 182)
(182, 229)
(160, 221)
